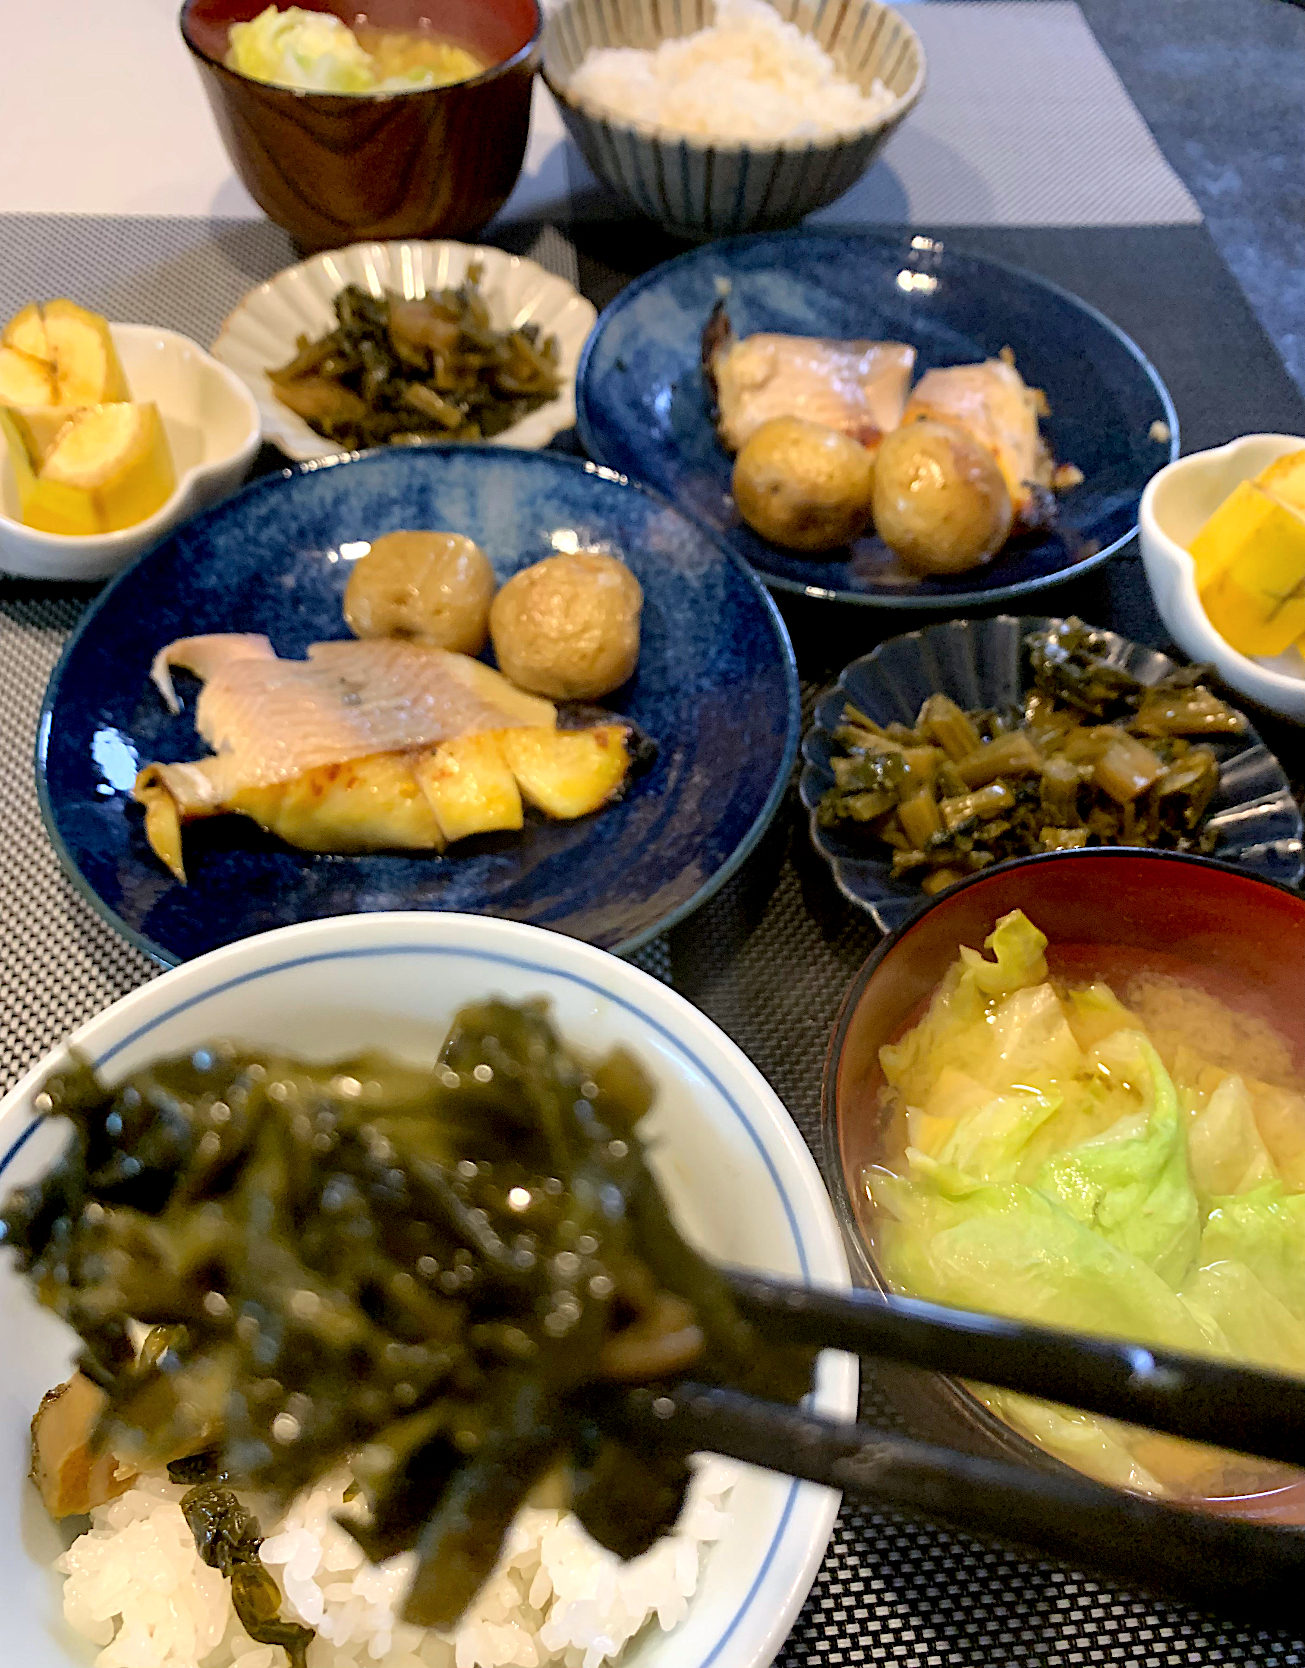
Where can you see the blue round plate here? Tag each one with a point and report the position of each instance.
(642, 406)
(984, 663)
(716, 688)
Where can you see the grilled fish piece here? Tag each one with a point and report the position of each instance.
(420, 800)
(994, 404)
(858, 388)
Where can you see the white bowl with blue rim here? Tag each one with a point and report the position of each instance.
(737, 1172)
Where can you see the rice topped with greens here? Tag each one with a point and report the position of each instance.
(136, 1585)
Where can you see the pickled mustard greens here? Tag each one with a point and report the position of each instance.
(441, 1277)
(1045, 1162)
(1093, 756)
(430, 368)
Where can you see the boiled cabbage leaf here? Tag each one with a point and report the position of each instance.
(1131, 1183)
(1228, 1154)
(1265, 1231)
(1012, 1250)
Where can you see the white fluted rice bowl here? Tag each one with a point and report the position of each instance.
(738, 1174)
(700, 188)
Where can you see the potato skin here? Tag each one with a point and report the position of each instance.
(428, 587)
(568, 627)
(802, 485)
(940, 501)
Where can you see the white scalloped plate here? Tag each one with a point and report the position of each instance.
(263, 330)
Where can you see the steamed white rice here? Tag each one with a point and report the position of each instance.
(749, 76)
(136, 1587)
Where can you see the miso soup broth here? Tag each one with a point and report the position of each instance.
(318, 52)
(1114, 1143)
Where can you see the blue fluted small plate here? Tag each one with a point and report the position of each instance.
(642, 406)
(983, 663)
(716, 688)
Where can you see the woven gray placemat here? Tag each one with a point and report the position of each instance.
(61, 964)
(1024, 122)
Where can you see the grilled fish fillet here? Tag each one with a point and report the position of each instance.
(269, 720)
(994, 404)
(858, 388)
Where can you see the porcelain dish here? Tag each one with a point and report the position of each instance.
(262, 332)
(735, 1169)
(213, 431)
(715, 688)
(643, 404)
(699, 188)
(1175, 506)
(983, 663)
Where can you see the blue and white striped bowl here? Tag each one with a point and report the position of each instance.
(734, 1168)
(698, 189)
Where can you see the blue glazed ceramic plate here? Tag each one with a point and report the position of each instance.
(983, 663)
(716, 687)
(642, 406)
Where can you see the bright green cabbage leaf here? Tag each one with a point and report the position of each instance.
(1131, 1183)
(1012, 1250)
(312, 51)
(1265, 1230)
(1057, 1173)
(1258, 1326)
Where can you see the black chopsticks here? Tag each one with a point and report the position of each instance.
(1198, 1397)
(1217, 1563)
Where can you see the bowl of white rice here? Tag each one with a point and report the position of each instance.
(125, 1588)
(723, 116)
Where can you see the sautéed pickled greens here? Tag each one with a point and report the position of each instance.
(1069, 1158)
(439, 1277)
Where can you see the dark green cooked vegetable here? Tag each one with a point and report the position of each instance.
(430, 368)
(1093, 756)
(228, 1540)
(443, 1278)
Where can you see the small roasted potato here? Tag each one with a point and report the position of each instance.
(428, 587)
(568, 627)
(802, 485)
(940, 500)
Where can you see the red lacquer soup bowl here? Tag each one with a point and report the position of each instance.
(1107, 913)
(337, 168)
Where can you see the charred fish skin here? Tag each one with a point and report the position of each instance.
(717, 338)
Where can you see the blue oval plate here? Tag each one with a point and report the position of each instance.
(642, 406)
(983, 663)
(716, 688)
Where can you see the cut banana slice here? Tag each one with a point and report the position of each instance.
(24, 379)
(94, 470)
(26, 332)
(59, 354)
(87, 371)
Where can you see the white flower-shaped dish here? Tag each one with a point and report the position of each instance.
(1175, 506)
(263, 331)
(213, 431)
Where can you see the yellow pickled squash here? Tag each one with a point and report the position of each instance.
(1236, 524)
(90, 470)
(1284, 479)
(59, 354)
(1250, 561)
